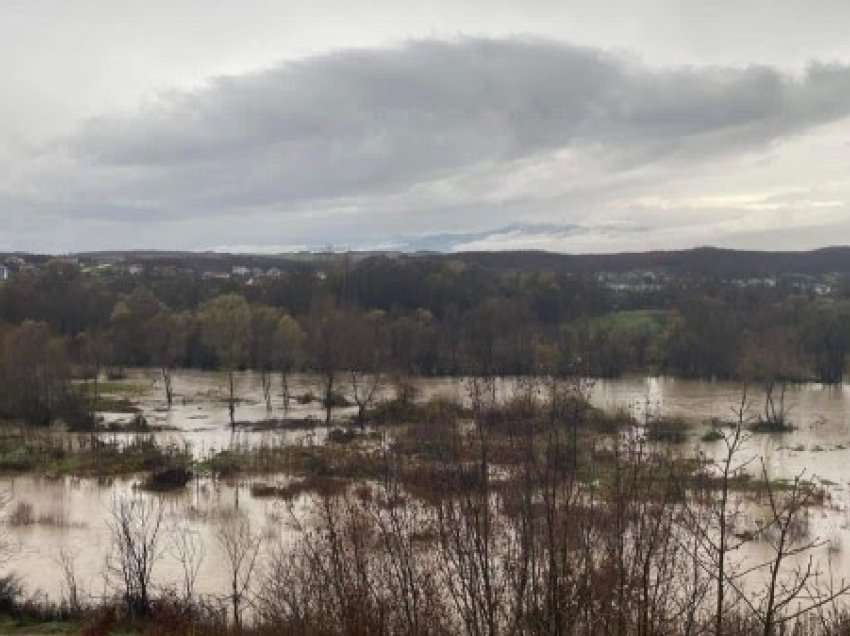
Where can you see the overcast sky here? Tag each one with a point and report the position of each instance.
(568, 125)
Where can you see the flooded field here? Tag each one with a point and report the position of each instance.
(70, 515)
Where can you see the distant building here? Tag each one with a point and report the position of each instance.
(5, 273)
(136, 270)
(215, 276)
(754, 282)
(241, 270)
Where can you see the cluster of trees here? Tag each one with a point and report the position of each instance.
(408, 317)
(795, 338)
(35, 376)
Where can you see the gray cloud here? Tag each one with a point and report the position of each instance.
(361, 138)
(362, 121)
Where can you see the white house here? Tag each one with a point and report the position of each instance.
(4, 273)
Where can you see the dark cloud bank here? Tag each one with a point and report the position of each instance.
(359, 127)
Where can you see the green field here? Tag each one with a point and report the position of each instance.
(652, 320)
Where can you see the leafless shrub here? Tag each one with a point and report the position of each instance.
(72, 591)
(22, 515)
(136, 524)
(187, 548)
(240, 547)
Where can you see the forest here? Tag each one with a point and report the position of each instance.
(404, 317)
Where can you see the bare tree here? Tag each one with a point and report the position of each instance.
(66, 562)
(167, 336)
(790, 588)
(188, 549)
(240, 546)
(468, 528)
(710, 522)
(769, 358)
(264, 325)
(226, 326)
(365, 353)
(733, 442)
(327, 336)
(136, 523)
(717, 538)
(289, 343)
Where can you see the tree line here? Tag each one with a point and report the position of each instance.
(406, 317)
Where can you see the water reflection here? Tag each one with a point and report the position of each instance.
(73, 514)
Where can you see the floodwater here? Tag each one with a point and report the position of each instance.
(72, 515)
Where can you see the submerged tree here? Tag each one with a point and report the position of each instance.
(826, 338)
(34, 374)
(769, 357)
(327, 337)
(226, 328)
(264, 325)
(240, 547)
(167, 336)
(365, 359)
(92, 352)
(288, 351)
(188, 549)
(136, 526)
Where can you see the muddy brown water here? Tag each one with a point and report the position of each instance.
(72, 514)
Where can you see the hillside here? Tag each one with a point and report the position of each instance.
(705, 260)
(708, 261)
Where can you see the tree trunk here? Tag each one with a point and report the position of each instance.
(284, 384)
(231, 402)
(361, 415)
(166, 380)
(267, 389)
(329, 394)
(235, 601)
